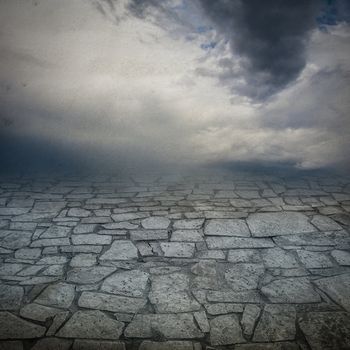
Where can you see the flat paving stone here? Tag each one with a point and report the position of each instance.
(169, 345)
(155, 223)
(148, 235)
(38, 312)
(178, 250)
(98, 345)
(268, 346)
(120, 250)
(326, 330)
(188, 224)
(187, 236)
(108, 302)
(129, 283)
(225, 330)
(238, 242)
(342, 257)
(92, 238)
(250, 316)
(291, 290)
(277, 323)
(56, 231)
(59, 295)
(88, 275)
(337, 287)
(91, 324)
(278, 258)
(324, 223)
(278, 224)
(52, 344)
(227, 227)
(10, 297)
(171, 326)
(13, 327)
(314, 260)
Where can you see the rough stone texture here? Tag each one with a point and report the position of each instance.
(225, 330)
(91, 324)
(277, 323)
(175, 261)
(326, 330)
(278, 224)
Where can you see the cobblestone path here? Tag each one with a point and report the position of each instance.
(230, 261)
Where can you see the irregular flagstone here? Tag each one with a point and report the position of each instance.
(171, 326)
(202, 321)
(227, 227)
(13, 211)
(129, 283)
(169, 345)
(57, 322)
(178, 250)
(277, 323)
(278, 224)
(244, 256)
(92, 238)
(52, 344)
(15, 239)
(91, 324)
(50, 242)
(80, 344)
(13, 327)
(341, 256)
(10, 297)
(170, 293)
(148, 235)
(314, 259)
(129, 216)
(56, 231)
(223, 308)
(83, 260)
(59, 295)
(120, 250)
(225, 330)
(291, 290)
(38, 312)
(238, 242)
(114, 303)
(337, 287)
(326, 330)
(187, 236)
(11, 345)
(249, 318)
(244, 276)
(88, 275)
(324, 223)
(155, 223)
(248, 296)
(277, 257)
(188, 224)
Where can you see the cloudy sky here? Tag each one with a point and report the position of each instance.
(166, 82)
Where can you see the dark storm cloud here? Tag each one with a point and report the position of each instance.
(270, 36)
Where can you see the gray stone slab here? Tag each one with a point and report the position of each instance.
(155, 223)
(89, 275)
(227, 227)
(278, 258)
(56, 231)
(337, 287)
(13, 327)
(238, 242)
(91, 325)
(52, 344)
(170, 326)
(277, 323)
(148, 235)
(178, 249)
(10, 297)
(169, 345)
(120, 250)
(250, 316)
(223, 308)
(108, 302)
(80, 344)
(324, 223)
(38, 312)
(244, 276)
(291, 290)
(342, 257)
(129, 283)
(92, 238)
(248, 296)
(15, 239)
(278, 224)
(187, 236)
(59, 295)
(314, 260)
(225, 330)
(188, 224)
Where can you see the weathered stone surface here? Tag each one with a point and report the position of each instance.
(225, 330)
(59, 295)
(278, 224)
(277, 257)
(91, 324)
(326, 330)
(120, 250)
(268, 346)
(10, 297)
(248, 296)
(148, 235)
(187, 236)
(38, 312)
(223, 308)
(168, 345)
(337, 287)
(129, 283)
(341, 256)
(86, 275)
(13, 327)
(11, 345)
(113, 303)
(314, 259)
(244, 256)
(171, 326)
(50, 242)
(244, 276)
(56, 231)
(98, 345)
(277, 323)
(291, 290)
(249, 318)
(15, 239)
(238, 242)
(324, 223)
(52, 344)
(188, 224)
(92, 238)
(83, 260)
(177, 249)
(78, 212)
(227, 227)
(155, 223)
(28, 253)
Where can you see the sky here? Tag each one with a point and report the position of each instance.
(150, 83)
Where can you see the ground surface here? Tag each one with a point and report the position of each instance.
(230, 261)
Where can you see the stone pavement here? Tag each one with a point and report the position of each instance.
(224, 261)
